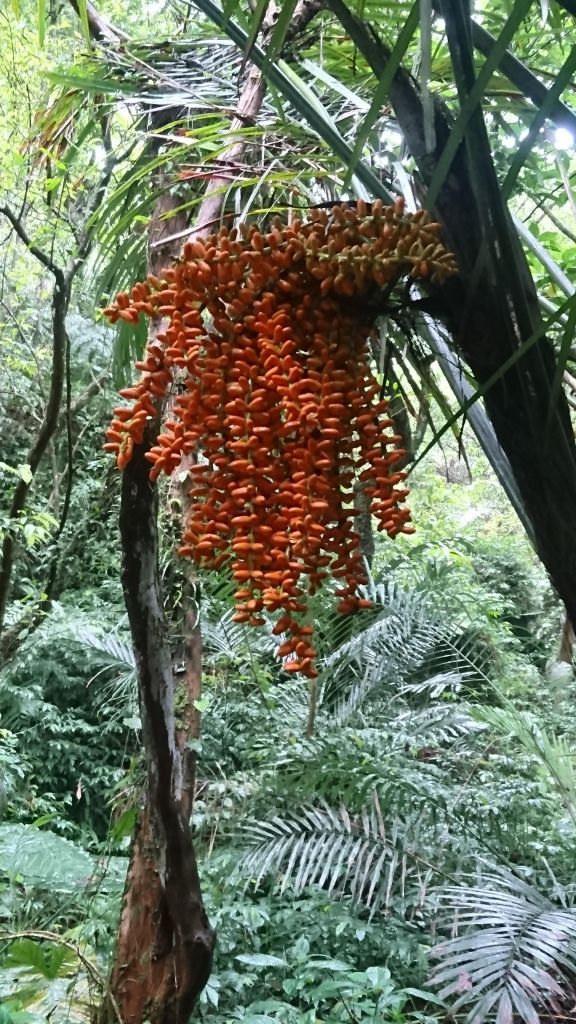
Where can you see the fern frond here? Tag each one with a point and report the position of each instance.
(230, 640)
(406, 645)
(434, 725)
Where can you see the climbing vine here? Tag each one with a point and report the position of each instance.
(264, 338)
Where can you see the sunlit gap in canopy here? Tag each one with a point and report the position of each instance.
(563, 139)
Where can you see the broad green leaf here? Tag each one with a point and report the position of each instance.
(261, 960)
(23, 471)
(92, 84)
(230, 7)
(41, 857)
(132, 722)
(358, 102)
(329, 964)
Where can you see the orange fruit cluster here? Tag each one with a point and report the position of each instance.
(266, 336)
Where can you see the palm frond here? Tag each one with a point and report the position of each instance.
(554, 752)
(108, 647)
(403, 642)
(291, 707)
(440, 723)
(113, 659)
(345, 855)
(515, 954)
(296, 91)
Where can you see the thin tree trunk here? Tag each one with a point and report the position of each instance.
(53, 420)
(164, 953)
(60, 300)
(566, 652)
(164, 949)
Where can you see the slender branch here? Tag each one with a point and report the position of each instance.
(75, 407)
(558, 223)
(55, 563)
(60, 300)
(52, 420)
(33, 249)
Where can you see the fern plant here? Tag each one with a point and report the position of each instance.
(402, 642)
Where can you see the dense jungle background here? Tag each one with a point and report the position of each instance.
(396, 840)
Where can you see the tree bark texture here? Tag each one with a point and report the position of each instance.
(164, 953)
(164, 950)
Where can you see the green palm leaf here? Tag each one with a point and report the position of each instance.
(292, 87)
(513, 956)
(331, 849)
(402, 645)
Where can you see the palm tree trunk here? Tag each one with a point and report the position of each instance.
(491, 308)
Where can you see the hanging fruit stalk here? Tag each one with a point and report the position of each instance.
(267, 342)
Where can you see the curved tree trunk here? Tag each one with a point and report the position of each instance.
(164, 953)
(164, 948)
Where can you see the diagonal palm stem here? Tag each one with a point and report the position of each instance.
(524, 79)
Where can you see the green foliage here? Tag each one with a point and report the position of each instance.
(516, 952)
(43, 978)
(435, 801)
(406, 791)
(73, 735)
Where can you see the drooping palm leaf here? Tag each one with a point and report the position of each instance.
(403, 641)
(294, 89)
(324, 847)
